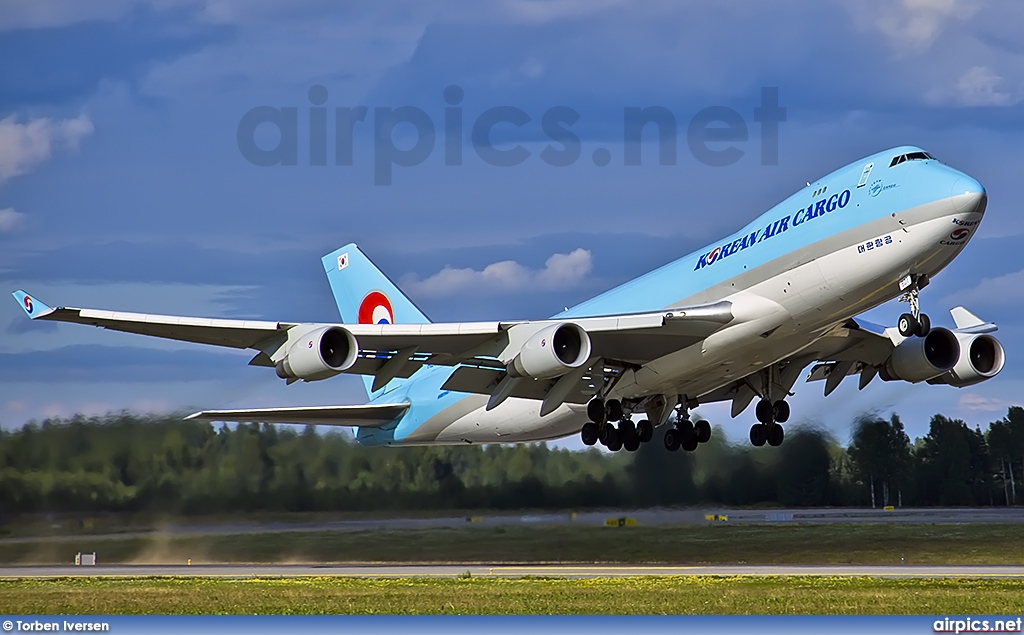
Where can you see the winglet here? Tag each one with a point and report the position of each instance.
(968, 322)
(33, 307)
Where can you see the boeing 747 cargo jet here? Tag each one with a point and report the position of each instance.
(736, 320)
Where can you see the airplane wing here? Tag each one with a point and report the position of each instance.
(629, 338)
(368, 416)
(484, 350)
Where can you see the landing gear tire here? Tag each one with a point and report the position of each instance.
(780, 410)
(614, 442)
(909, 325)
(775, 436)
(596, 410)
(690, 443)
(632, 444)
(703, 431)
(645, 430)
(758, 434)
(589, 433)
(765, 411)
(613, 410)
(626, 429)
(924, 325)
(672, 439)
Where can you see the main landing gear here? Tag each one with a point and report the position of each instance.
(686, 434)
(770, 418)
(915, 322)
(626, 435)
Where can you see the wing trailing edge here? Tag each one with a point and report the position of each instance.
(366, 416)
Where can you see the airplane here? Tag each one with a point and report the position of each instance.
(738, 319)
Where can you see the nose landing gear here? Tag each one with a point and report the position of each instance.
(915, 322)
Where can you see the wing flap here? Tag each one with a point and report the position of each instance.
(366, 416)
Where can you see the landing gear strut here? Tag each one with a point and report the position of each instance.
(915, 322)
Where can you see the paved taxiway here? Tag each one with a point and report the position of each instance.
(509, 571)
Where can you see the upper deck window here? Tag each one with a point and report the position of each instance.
(910, 156)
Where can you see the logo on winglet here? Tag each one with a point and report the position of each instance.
(342, 261)
(376, 309)
(28, 305)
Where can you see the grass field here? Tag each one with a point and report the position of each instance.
(691, 544)
(639, 595)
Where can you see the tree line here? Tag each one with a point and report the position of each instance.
(151, 463)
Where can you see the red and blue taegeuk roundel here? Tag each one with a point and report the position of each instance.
(376, 309)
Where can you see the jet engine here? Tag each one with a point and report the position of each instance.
(921, 358)
(981, 358)
(322, 353)
(551, 352)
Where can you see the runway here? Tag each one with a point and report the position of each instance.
(643, 517)
(508, 571)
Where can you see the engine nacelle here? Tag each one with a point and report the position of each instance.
(551, 352)
(981, 358)
(922, 358)
(322, 353)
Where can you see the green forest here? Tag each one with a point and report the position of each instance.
(162, 464)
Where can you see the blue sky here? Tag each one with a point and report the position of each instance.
(122, 184)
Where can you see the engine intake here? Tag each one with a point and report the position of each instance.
(322, 353)
(982, 358)
(922, 358)
(551, 352)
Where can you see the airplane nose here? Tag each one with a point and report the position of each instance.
(967, 195)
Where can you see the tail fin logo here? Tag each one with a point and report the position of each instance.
(342, 261)
(376, 309)
(28, 305)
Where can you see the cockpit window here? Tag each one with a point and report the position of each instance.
(910, 156)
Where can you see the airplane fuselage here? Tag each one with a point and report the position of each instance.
(833, 250)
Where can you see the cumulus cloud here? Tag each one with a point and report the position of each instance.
(24, 145)
(11, 220)
(561, 271)
(979, 403)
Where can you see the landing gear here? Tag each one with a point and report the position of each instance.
(629, 435)
(769, 416)
(772, 384)
(687, 434)
(614, 437)
(915, 322)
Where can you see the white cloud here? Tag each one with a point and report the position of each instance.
(912, 26)
(979, 403)
(24, 145)
(1001, 291)
(979, 86)
(561, 271)
(10, 220)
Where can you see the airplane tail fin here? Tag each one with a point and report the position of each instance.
(365, 295)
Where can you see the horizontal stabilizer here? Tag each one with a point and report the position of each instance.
(967, 322)
(368, 416)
